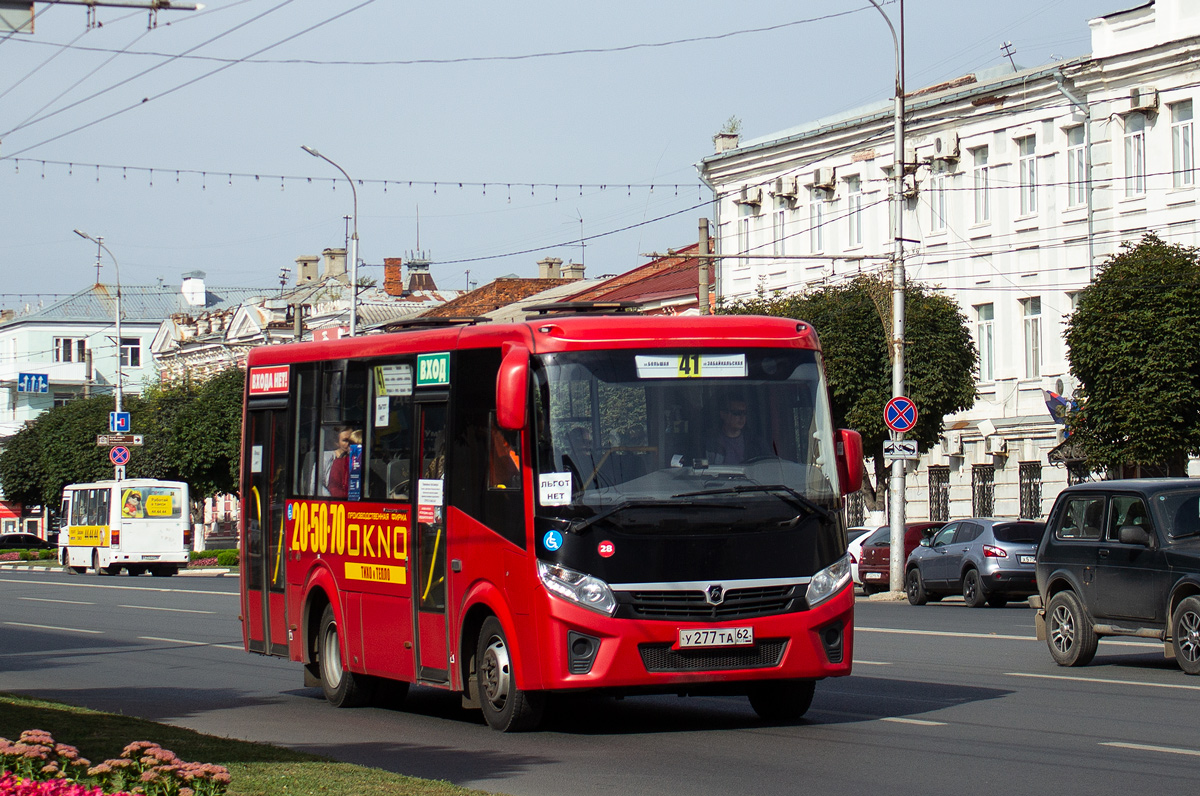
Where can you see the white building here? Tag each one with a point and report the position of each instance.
(1001, 214)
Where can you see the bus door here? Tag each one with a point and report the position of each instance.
(264, 508)
(430, 540)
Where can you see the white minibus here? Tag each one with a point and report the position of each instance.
(139, 525)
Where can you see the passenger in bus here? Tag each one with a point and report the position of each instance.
(504, 467)
(339, 469)
(732, 443)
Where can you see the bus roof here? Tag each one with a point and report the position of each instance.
(551, 333)
(127, 483)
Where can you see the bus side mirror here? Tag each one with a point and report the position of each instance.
(511, 392)
(849, 460)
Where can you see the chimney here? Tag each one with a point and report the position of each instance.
(549, 268)
(193, 289)
(335, 264)
(419, 277)
(306, 269)
(393, 276)
(723, 142)
(573, 271)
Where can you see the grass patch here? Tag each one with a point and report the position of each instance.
(257, 769)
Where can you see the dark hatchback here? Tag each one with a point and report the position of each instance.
(875, 568)
(1122, 558)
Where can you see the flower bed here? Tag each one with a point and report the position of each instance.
(38, 766)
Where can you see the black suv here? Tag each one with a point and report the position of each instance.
(1122, 558)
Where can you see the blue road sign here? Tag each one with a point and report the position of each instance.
(900, 414)
(119, 455)
(118, 422)
(33, 382)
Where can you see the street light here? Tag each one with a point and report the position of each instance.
(100, 245)
(353, 241)
(896, 491)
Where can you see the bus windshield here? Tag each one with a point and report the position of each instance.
(718, 438)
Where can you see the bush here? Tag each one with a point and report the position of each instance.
(198, 555)
(227, 558)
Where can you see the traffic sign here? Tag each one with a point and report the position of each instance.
(118, 422)
(900, 414)
(894, 449)
(119, 472)
(33, 382)
(119, 439)
(119, 455)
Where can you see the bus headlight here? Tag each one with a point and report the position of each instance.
(828, 581)
(576, 587)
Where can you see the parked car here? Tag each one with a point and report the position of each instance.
(23, 541)
(875, 568)
(985, 559)
(854, 541)
(1121, 558)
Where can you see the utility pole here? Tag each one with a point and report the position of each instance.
(702, 293)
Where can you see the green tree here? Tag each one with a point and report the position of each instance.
(206, 435)
(853, 323)
(1132, 346)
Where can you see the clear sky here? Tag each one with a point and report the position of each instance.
(496, 96)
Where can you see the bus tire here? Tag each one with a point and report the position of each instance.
(782, 700)
(102, 570)
(343, 688)
(505, 707)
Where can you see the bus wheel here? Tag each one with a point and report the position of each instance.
(505, 707)
(782, 700)
(343, 689)
(102, 570)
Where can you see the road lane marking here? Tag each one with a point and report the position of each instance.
(857, 662)
(918, 722)
(1108, 681)
(48, 600)
(948, 633)
(52, 627)
(186, 642)
(176, 610)
(1142, 747)
(24, 581)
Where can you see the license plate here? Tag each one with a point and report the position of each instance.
(1028, 559)
(873, 576)
(716, 637)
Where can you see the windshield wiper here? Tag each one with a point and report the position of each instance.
(580, 525)
(796, 498)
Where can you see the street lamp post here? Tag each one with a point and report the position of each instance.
(100, 245)
(896, 488)
(353, 241)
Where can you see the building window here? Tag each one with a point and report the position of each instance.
(983, 208)
(939, 493)
(131, 352)
(1135, 155)
(937, 198)
(983, 490)
(854, 211)
(985, 333)
(1181, 144)
(1076, 167)
(63, 398)
(778, 224)
(1031, 490)
(816, 221)
(1032, 312)
(1027, 173)
(856, 509)
(743, 240)
(69, 349)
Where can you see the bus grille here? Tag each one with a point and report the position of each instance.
(691, 605)
(661, 658)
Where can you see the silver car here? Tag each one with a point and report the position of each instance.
(985, 559)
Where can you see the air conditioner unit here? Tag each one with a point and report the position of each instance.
(945, 145)
(952, 443)
(785, 187)
(750, 196)
(997, 446)
(1143, 99)
(824, 178)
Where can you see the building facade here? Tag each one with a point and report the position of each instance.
(1018, 184)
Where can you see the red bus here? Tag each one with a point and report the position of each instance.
(612, 503)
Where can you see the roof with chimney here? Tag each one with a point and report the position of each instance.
(492, 296)
(671, 278)
(139, 304)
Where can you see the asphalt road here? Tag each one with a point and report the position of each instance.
(943, 699)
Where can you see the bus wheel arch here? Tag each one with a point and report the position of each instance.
(506, 707)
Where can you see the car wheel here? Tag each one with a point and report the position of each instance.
(914, 586)
(1069, 633)
(997, 600)
(782, 700)
(972, 589)
(1185, 635)
(343, 688)
(505, 706)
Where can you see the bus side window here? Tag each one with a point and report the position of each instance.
(307, 478)
(102, 507)
(388, 459)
